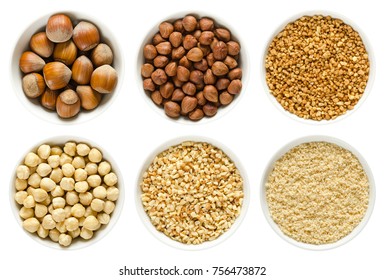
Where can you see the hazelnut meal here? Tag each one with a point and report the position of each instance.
(65, 192)
(192, 192)
(68, 67)
(192, 67)
(317, 67)
(317, 193)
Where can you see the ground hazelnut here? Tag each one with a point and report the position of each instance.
(210, 93)
(177, 95)
(195, 54)
(219, 68)
(223, 34)
(233, 48)
(188, 104)
(220, 50)
(149, 52)
(189, 42)
(164, 48)
(159, 76)
(183, 74)
(165, 29)
(225, 98)
(196, 114)
(172, 109)
(156, 97)
(189, 23)
(210, 109)
(171, 69)
(189, 88)
(160, 61)
(206, 37)
(166, 90)
(235, 87)
(176, 38)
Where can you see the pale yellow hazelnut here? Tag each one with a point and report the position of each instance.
(91, 223)
(81, 187)
(112, 193)
(94, 180)
(110, 179)
(109, 207)
(31, 225)
(29, 202)
(71, 224)
(40, 210)
(47, 201)
(103, 218)
(86, 233)
(68, 170)
(82, 149)
(99, 192)
(54, 161)
(42, 232)
(34, 180)
(78, 210)
(39, 195)
(22, 172)
(72, 197)
(64, 158)
(44, 151)
(67, 184)
(70, 148)
(32, 160)
(58, 215)
(20, 196)
(20, 184)
(80, 175)
(74, 233)
(91, 168)
(54, 235)
(58, 202)
(85, 198)
(67, 211)
(61, 227)
(97, 205)
(65, 240)
(90, 212)
(78, 162)
(47, 184)
(56, 175)
(104, 168)
(26, 213)
(43, 169)
(56, 150)
(95, 155)
(57, 191)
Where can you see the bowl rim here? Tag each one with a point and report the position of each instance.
(317, 138)
(368, 47)
(51, 116)
(100, 233)
(244, 64)
(163, 237)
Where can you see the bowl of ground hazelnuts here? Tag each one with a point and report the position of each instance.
(66, 192)
(318, 67)
(192, 67)
(67, 67)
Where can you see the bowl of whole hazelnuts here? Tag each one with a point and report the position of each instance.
(67, 67)
(192, 67)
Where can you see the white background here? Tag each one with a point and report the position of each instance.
(130, 129)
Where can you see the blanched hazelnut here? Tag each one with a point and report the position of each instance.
(22, 172)
(31, 225)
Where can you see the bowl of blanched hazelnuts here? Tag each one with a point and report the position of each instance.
(66, 64)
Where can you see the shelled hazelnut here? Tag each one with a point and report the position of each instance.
(68, 67)
(192, 67)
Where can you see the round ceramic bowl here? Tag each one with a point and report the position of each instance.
(368, 49)
(163, 237)
(318, 138)
(243, 63)
(33, 105)
(79, 242)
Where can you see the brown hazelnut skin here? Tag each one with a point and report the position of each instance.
(210, 93)
(206, 37)
(195, 54)
(41, 45)
(188, 104)
(209, 78)
(86, 36)
(189, 88)
(201, 98)
(165, 29)
(59, 28)
(166, 90)
(82, 70)
(201, 65)
(147, 70)
(157, 39)
(183, 74)
(222, 83)
(233, 48)
(163, 48)
(31, 62)
(219, 68)
(189, 23)
(67, 104)
(177, 95)
(65, 52)
(196, 114)
(148, 84)
(235, 74)
(172, 109)
(149, 52)
(223, 34)
(159, 77)
(104, 79)
(176, 38)
(230, 62)
(171, 69)
(102, 54)
(33, 85)
(210, 109)
(157, 97)
(220, 50)
(189, 42)
(225, 98)
(48, 99)
(196, 77)
(235, 87)
(185, 62)
(160, 61)
(56, 75)
(206, 24)
(89, 97)
(178, 26)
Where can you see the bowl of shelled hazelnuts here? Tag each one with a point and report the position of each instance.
(67, 67)
(192, 67)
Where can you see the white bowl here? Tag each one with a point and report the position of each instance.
(318, 138)
(243, 63)
(164, 238)
(33, 105)
(77, 243)
(368, 49)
